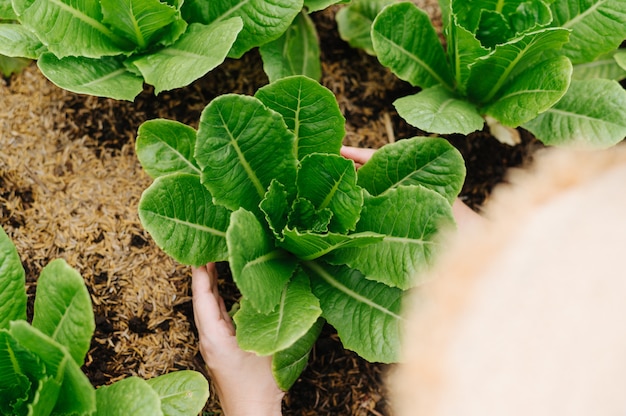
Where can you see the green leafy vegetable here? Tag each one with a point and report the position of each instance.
(10, 65)
(295, 52)
(355, 305)
(417, 56)
(111, 47)
(128, 397)
(12, 294)
(197, 229)
(6, 10)
(106, 76)
(188, 58)
(316, 5)
(282, 29)
(263, 20)
(64, 313)
(438, 109)
(308, 238)
(295, 313)
(289, 363)
(311, 113)
(167, 148)
(354, 22)
(180, 392)
(508, 61)
(607, 66)
(589, 111)
(597, 27)
(40, 363)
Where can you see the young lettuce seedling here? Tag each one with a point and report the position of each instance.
(262, 185)
(510, 62)
(41, 362)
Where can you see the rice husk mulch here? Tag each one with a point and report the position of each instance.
(65, 196)
(70, 183)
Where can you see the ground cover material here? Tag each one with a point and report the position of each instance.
(70, 183)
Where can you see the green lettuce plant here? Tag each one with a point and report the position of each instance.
(283, 31)
(509, 62)
(354, 22)
(261, 184)
(40, 362)
(111, 47)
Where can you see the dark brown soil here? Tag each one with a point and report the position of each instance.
(149, 334)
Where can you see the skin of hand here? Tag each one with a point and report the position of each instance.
(243, 380)
(358, 154)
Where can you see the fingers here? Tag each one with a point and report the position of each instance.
(200, 281)
(357, 154)
(205, 303)
(210, 312)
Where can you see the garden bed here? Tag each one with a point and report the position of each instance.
(70, 183)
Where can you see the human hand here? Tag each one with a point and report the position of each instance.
(357, 154)
(243, 380)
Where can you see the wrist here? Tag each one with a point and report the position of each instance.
(254, 408)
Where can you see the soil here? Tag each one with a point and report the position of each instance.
(70, 183)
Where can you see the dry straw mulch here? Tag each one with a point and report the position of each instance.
(69, 187)
(69, 195)
(70, 183)
(65, 196)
